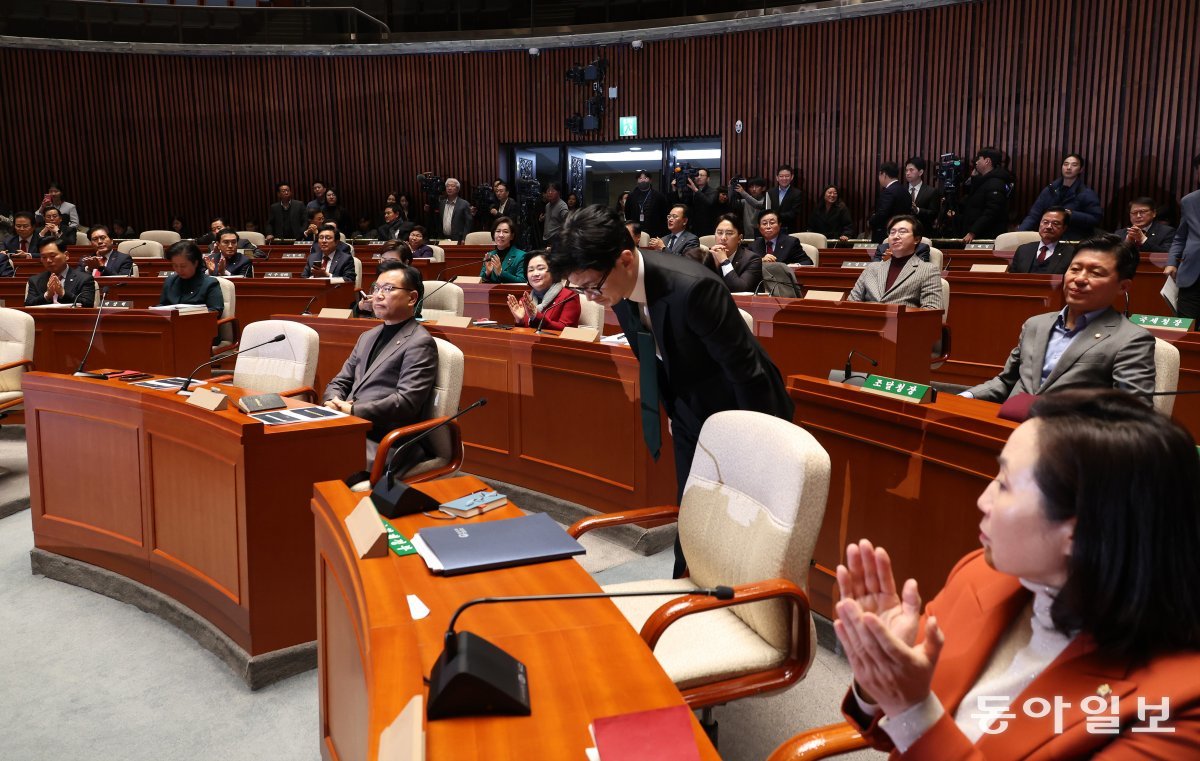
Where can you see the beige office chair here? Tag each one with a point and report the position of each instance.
(134, 272)
(442, 299)
(816, 240)
(165, 237)
(16, 356)
(706, 241)
(142, 249)
(227, 333)
(812, 252)
(748, 318)
(478, 238)
(286, 368)
(1166, 374)
(446, 443)
(439, 253)
(644, 240)
(257, 239)
(81, 238)
(779, 280)
(735, 499)
(1010, 241)
(591, 315)
(936, 258)
(357, 273)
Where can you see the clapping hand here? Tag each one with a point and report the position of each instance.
(492, 265)
(878, 629)
(517, 307)
(54, 287)
(1135, 235)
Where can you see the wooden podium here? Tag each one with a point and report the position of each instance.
(584, 659)
(204, 510)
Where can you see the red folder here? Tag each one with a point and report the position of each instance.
(663, 734)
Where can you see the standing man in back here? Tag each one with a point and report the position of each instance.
(287, 217)
(1184, 264)
(786, 199)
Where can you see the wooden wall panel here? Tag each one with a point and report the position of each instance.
(143, 136)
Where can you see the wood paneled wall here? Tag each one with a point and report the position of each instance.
(142, 136)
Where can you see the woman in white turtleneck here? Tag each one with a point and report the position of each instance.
(1082, 608)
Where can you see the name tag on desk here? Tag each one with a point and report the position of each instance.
(277, 274)
(898, 389)
(116, 304)
(295, 255)
(1182, 324)
(868, 244)
(854, 265)
(980, 246)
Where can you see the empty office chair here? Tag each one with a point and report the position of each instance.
(478, 238)
(165, 237)
(439, 253)
(936, 258)
(644, 240)
(816, 240)
(442, 300)
(706, 241)
(286, 368)
(16, 356)
(1010, 241)
(446, 444)
(748, 318)
(812, 253)
(227, 333)
(134, 272)
(357, 273)
(735, 499)
(81, 238)
(591, 315)
(257, 239)
(1166, 374)
(141, 249)
(778, 280)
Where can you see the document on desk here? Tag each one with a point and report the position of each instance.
(167, 384)
(470, 547)
(297, 415)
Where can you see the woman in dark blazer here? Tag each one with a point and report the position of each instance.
(506, 262)
(190, 283)
(831, 218)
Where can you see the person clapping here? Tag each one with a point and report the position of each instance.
(549, 305)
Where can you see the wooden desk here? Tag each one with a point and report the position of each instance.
(199, 506)
(534, 431)
(906, 476)
(171, 344)
(584, 660)
(488, 301)
(813, 337)
(1187, 408)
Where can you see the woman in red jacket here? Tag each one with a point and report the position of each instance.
(549, 305)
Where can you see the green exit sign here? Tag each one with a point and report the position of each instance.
(628, 126)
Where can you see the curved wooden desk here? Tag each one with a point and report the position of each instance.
(204, 507)
(585, 661)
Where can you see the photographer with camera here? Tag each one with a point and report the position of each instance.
(984, 210)
(690, 187)
(749, 199)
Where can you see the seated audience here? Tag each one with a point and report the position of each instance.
(416, 243)
(1071, 193)
(772, 246)
(505, 263)
(393, 227)
(335, 214)
(903, 278)
(180, 227)
(316, 218)
(1088, 343)
(55, 230)
(738, 266)
(678, 238)
(22, 243)
(227, 259)
(549, 305)
(59, 283)
(1081, 600)
(105, 260)
(393, 256)
(190, 283)
(390, 373)
(1048, 256)
(831, 218)
(332, 257)
(122, 230)
(54, 199)
(1145, 232)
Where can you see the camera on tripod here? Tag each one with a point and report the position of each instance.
(431, 185)
(950, 172)
(484, 196)
(682, 171)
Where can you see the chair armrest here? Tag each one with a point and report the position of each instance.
(669, 612)
(308, 391)
(224, 378)
(944, 347)
(28, 363)
(821, 742)
(226, 321)
(664, 514)
(381, 454)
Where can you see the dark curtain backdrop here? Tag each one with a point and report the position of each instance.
(142, 136)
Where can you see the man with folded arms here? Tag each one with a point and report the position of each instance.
(1048, 256)
(390, 374)
(1088, 343)
(59, 284)
(105, 260)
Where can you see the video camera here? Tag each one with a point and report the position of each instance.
(431, 185)
(681, 172)
(484, 196)
(950, 170)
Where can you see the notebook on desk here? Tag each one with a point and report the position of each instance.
(468, 547)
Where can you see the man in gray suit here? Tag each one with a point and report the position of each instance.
(1184, 264)
(904, 278)
(389, 375)
(452, 214)
(1088, 343)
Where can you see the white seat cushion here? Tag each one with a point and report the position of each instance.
(8, 396)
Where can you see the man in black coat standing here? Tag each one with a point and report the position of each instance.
(892, 200)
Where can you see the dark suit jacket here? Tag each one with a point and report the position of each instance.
(287, 223)
(397, 230)
(342, 265)
(929, 204)
(890, 202)
(13, 243)
(747, 271)
(1158, 237)
(460, 220)
(6, 266)
(75, 283)
(510, 208)
(710, 361)
(1025, 259)
(685, 240)
(116, 264)
(787, 250)
(787, 209)
(240, 264)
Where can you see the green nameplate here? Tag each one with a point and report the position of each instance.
(397, 543)
(897, 389)
(1159, 321)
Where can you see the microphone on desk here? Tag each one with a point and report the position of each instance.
(473, 677)
(391, 496)
(333, 287)
(135, 248)
(847, 373)
(103, 291)
(456, 267)
(796, 287)
(79, 371)
(188, 381)
(546, 312)
(258, 252)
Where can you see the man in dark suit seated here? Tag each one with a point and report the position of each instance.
(393, 227)
(1088, 343)
(1145, 232)
(227, 259)
(891, 201)
(332, 257)
(697, 354)
(678, 239)
(55, 229)
(22, 244)
(390, 374)
(105, 260)
(59, 284)
(738, 266)
(772, 246)
(1048, 256)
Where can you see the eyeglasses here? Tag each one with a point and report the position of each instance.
(387, 289)
(590, 290)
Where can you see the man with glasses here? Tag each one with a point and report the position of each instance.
(105, 259)
(678, 239)
(696, 353)
(227, 260)
(1048, 256)
(389, 376)
(1145, 232)
(332, 257)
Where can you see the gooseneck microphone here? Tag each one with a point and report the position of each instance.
(79, 371)
(473, 677)
(188, 381)
(850, 357)
(456, 267)
(546, 313)
(333, 287)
